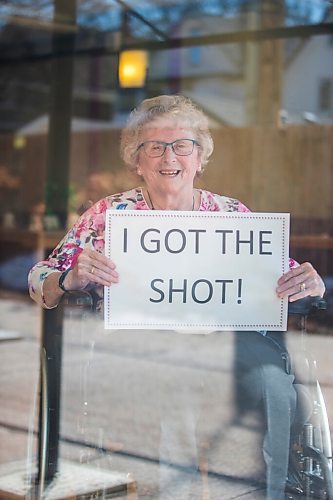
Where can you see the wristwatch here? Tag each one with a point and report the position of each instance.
(62, 279)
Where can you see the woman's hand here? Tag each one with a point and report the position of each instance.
(91, 267)
(300, 282)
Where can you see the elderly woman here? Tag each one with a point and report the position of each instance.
(168, 144)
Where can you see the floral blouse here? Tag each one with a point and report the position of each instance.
(89, 230)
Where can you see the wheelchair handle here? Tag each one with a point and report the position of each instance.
(305, 306)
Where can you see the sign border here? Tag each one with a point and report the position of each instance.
(280, 325)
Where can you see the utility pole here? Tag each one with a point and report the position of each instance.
(269, 87)
(263, 66)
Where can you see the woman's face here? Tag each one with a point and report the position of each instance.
(170, 172)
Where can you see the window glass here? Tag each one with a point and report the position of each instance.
(182, 412)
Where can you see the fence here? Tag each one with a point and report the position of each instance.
(287, 169)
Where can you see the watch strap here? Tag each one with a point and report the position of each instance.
(62, 279)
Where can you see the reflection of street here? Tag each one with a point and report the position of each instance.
(118, 385)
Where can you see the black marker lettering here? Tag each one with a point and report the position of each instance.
(263, 242)
(162, 295)
(156, 242)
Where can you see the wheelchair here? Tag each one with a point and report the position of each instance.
(310, 458)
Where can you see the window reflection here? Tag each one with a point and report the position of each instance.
(269, 103)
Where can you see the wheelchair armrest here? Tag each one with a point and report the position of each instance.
(78, 298)
(303, 307)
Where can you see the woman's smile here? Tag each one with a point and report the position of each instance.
(169, 173)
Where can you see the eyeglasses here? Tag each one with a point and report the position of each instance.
(181, 147)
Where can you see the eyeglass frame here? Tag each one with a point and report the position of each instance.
(166, 144)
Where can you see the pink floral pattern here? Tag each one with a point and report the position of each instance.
(89, 229)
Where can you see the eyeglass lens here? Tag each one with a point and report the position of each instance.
(181, 147)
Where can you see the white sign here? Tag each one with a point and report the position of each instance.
(196, 270)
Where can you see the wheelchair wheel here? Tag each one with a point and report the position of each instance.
(310, 460)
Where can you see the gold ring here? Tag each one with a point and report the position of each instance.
(92, 269)
(302, 287)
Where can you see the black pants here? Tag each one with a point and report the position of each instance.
(264, 380)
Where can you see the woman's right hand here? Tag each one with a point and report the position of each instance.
(91, 267)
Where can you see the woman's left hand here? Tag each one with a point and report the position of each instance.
(300, 282)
